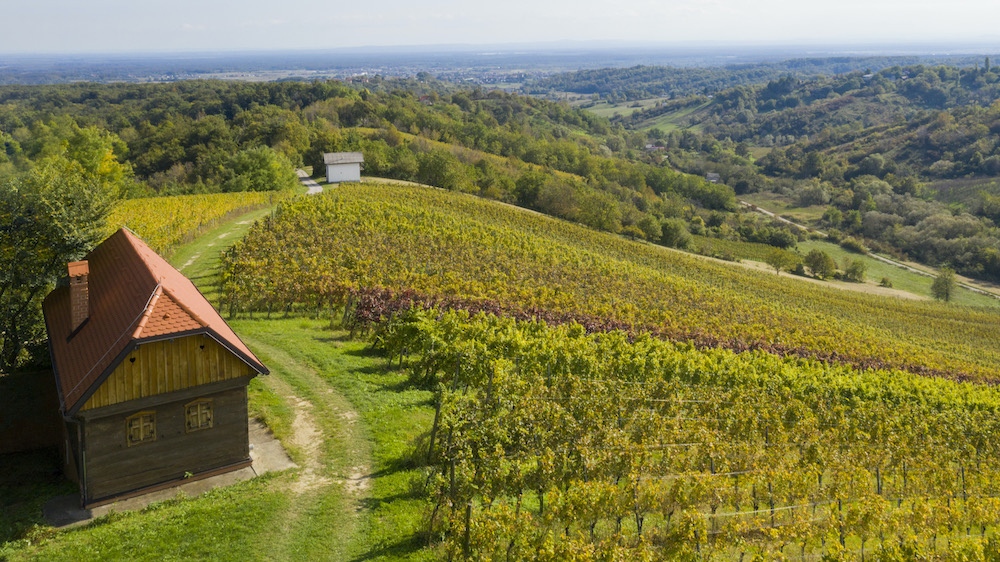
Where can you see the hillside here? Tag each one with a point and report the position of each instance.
(557, 412)
(903, 158)
(643, 82)
(387, 242)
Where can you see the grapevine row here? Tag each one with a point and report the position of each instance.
(662, 442)
(385, 243)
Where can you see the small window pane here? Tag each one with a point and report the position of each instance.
(140, 428)
(198, 415)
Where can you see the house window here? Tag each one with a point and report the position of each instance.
(140, 428)
(198, 415)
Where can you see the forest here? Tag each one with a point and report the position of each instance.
(902, 158)
(641, 82)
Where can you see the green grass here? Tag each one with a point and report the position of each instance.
(672, 121)
(901, 278)
(199, 259)
(783, 207)
(216, 525)
(393, 414)
(605, 109)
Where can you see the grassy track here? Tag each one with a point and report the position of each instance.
(348, 421)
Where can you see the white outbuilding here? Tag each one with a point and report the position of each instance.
(343, 166)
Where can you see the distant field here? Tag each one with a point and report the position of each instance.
(674, 120)
(605, 109)
(901, 278)
(730, 249)
(963, 190)
(782, 206)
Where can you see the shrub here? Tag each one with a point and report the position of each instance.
(855, 271)
(852, 244)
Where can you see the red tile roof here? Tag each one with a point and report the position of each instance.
(135, 295)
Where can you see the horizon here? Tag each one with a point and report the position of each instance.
(567, 47)
(115, 27)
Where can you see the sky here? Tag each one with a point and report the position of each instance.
(123, 26)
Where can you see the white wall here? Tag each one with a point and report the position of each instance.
(343, 172)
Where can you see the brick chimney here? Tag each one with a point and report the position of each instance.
(79, 293)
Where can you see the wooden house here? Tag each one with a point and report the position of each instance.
(343, 166)
(151, 380)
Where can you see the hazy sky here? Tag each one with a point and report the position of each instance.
(80, 26)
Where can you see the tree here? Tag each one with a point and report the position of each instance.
(650, 227)
(854, 270)
(674, 233)
(820, 263)
(50, 215)
(832, 216)
(259, 169)
(780, 259)
(944, 284)
(442, 169)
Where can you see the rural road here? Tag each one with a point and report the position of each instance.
(314, 187)
(884, 259)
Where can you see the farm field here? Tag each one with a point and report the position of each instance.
(386, 241)
(781, 206)
(599, 446)
(674, 120)
(605, 109)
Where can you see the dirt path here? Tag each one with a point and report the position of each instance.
(327, 439)
(313, 187)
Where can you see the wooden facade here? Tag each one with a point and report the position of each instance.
(167, 366)
(113, 467)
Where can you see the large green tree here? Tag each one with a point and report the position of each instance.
(820, 263)
(50, 215)
(259, 169)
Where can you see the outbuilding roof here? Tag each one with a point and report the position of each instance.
(135, 296)
(330, 158)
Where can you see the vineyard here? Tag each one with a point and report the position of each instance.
(386, 247)
(732, 250)
(165, 222)
(549, 443)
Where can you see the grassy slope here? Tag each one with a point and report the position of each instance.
(368, 417)
(674, 120)
(785, 208)
(901, 278)
(605, 109)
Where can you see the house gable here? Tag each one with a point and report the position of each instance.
(135, 297)
(168, 365)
